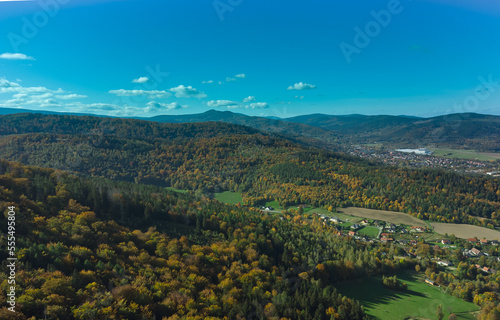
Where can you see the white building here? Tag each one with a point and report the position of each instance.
(422, 151)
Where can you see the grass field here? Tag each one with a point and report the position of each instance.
(466, 231)
(229, 197)
(419, 300)
(464, 154)
(274, 204)
(389, 216)
(371, 232)
(345, 225)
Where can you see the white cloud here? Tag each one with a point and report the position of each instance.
(187, 92)
(4, 83)
(301, 86)
(49, 103)
(98, 108)
(141, 80)
(209, 81)
(134, 93)
(15, 56)
(123, 110)
(222, 103)
(299, 97)
(241, 75)
(154, 106)
(20, 96)
(7, 86)
(32, 97)
(228, 79)
(101, 106)
(249, 98)
(42, 96)
(257, 105)
(71, 96)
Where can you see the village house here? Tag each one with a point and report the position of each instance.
(417, 229)
(364, 222)
(429, 281)
(355, 226)
(352, 233)
(472, 240)
(444, 263)
(484, 241)
(366, 239)
(475, 252)
(445, 241)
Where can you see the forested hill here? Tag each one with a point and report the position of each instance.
(118, 127)
(214, 157)
(338, 132)
(461, 130)
(464, 130)
(99, 249)
(307, 134)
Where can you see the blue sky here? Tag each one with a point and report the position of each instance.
(273, 58)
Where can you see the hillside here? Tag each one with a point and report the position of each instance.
(113, 243)
(98, 249)
(337, 133)
(465, 130)
(304, 133)
(212, 157)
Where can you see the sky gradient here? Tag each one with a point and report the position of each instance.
(278, 58)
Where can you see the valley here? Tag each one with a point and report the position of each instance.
(249, 160)
(268, 218)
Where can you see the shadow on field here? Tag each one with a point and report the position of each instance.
(373, 293)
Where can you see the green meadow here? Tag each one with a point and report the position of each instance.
(419, 300)
(229, 197)
(463, 154)
(274, 204)
(369, 231)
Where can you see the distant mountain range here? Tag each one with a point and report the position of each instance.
(338, 132)
(464, 130)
